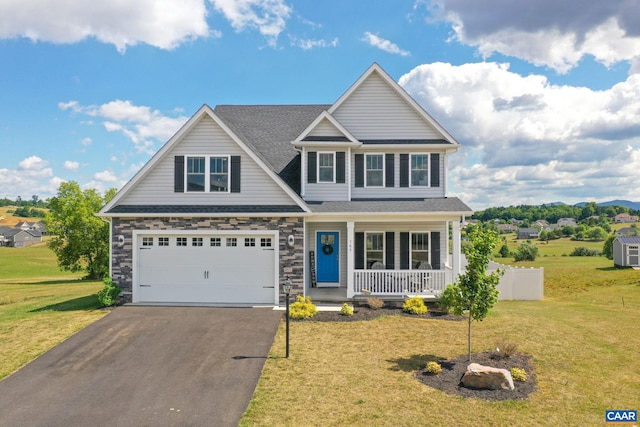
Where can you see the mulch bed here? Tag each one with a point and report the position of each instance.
(452, 370)
(365, 313)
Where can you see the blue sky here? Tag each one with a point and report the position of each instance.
(544, 96)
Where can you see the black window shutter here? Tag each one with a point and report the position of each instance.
(359, 170)
(178, 171)
(390, 250)
(312, 174)
(404, 170)
(435, 250)
(435, 169)
(340, 167)
(389, 159)
(404, 251)
(359, 261)
(235, 174)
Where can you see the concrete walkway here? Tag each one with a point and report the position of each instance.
(146, 366)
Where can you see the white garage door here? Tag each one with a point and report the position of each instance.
(206, 268)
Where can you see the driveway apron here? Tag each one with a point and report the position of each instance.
(146, 366)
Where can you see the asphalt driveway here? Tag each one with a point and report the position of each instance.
(146, 366)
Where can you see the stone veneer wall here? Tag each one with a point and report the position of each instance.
(291, 258)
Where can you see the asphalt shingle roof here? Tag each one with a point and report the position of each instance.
(444, 205)
(269, 129)
(203, 209)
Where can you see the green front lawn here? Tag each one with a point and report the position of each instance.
(40, 306)
(584, 342)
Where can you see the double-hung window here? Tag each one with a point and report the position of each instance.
(420, 251)
(374, 170)
(208, 174)
(195, 173)
(419, 170)
(374, 250)
(219, 174)
(326, 167)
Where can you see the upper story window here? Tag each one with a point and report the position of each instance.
(207, 174)
(419, 170)
(326, 167)
(374, 170)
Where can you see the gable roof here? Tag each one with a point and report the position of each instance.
(270, 158)
(377, 69)
(347, 137)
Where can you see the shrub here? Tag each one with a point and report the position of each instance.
(433, 368)
(582, 251)
(375, 303)
(518, 374)
(414, 305)
(526, 252)
(505, 349)
(108, 295)
(303, 308)
(504, 251)
(346, 310)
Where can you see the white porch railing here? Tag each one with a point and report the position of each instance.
(401, 282)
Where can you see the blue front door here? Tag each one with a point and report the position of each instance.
(328, 256)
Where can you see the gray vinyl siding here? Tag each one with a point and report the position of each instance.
(311, 229)
(206, 138)
(324, 191)
(325, 128)
(376, 111)
(396, 191)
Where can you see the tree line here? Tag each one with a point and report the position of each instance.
(551, 213)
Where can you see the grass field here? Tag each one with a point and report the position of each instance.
(584, 341)
(40, 306)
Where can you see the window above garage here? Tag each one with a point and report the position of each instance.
(207, 174)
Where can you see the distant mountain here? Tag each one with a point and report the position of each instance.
(625, 203)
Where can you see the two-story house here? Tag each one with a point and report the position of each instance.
(345, 199)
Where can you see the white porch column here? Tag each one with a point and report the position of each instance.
(456, 248)
(350, 257)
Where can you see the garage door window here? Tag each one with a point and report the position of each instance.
(181, 241)
(163, 241)
(147, 241)
(196, 241)
(232, 241)
(265, 242)
(249, 241)
(215, 241)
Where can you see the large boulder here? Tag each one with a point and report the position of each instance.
(487, 378)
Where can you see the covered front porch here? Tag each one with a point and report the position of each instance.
(392, 259)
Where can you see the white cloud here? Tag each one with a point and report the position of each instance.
(547, 32)
(384, 44)
(32, 176)
(525, 139)
(71, 165)
(141, 124)
(105, 176)
(307, 44)
(161, 23)
(269, 17)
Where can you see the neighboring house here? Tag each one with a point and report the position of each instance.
(507, 228)
(627, 231)
(344, 199)
(626, 251)
(38, 226)
(567, 222)
(541, 224)
(18, 238)
(528, 233)
(625, 217)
